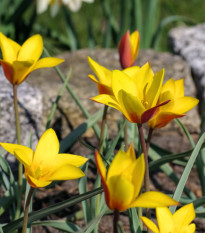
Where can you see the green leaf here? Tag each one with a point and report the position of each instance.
(187, 170)
(55, 104)
(134, 221)
(61, 225)
(50, 210)
(71, 138)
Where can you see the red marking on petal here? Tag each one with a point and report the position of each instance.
(106, 191)
(125, 51)
(147, 115)
(102, 89)
(8, 71)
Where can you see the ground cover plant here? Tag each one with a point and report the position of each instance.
(122, 165)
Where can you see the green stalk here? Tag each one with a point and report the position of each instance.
(144, 150)
(25, 219)
(103, 129)
(20, 167)
(126, 135)
(149, 139)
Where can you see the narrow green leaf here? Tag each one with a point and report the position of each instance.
(185, 175)
(71, 138)
(55, 104)
(61, 225)
(134, 221)
(138, 19)
(10, 227)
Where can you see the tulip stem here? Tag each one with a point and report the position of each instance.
(149, 139)
(126, 135)
(115, 220)
(20, 167)
(25, 219)
(102, 133)
(144, 150)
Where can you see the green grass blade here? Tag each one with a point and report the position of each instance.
(134, 221)
(55, 104)
(149, 25)
(64, 226)
(199, 202)
(167, 158)
(138, 19)
(69, 140)
(50, 210)
(187, 170)
(82, 184)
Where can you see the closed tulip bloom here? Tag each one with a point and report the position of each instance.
(46, 164)
(122, 183)
(129, 48)
(135, 93)
(179, 222)
(177, 107)
(19, 61)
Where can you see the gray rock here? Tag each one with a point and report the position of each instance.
(189, 42)
(69, 115)
(30, 112)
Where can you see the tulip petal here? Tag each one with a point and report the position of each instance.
(121, 81)
(183, 104)
(75, 160)
(168, 90)
(121, 193)
(149, 224)
(36, 183)
(153, 199)
(8, 70)
(144, 77)
(47, 149)
(184, 216)
(154, 90)
(135, 41)
(47, 62)
(132, 72)
(102, 171)
(104, 75)
(189, 229)
(121, 160)
(31, 49)
(125, 51)
(138, 174)
(165, 220)
(107, 100)
(9, 48)
(179, 88)
(63, 172)
(22, 153)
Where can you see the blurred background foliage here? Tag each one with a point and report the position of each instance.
(100, 24)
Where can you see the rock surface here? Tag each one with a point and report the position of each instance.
(30, 112)
(189, 42)
(68, 114)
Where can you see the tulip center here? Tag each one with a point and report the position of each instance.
(38, 172)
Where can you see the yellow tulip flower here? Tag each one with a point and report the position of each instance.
(104, 75)
(19, 61)
(179, 222)
(122, 183)
(135, 92)
(45, 164)
(129, 48)
(177, 107)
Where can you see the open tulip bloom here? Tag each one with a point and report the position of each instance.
(177, 107)
(129, 48)
(135, 92)
(122, 183)
(45, 164)
(179, 222)
(19, 61)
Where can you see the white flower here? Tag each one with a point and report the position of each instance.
(73, 5)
